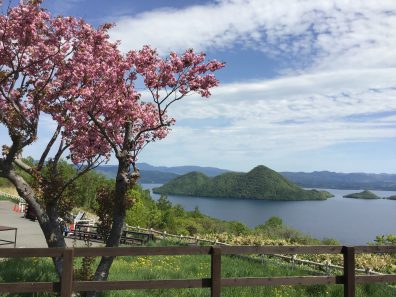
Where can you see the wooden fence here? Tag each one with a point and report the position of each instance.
(13, 198)
(203, 241)
(67, 285)
(90, 233)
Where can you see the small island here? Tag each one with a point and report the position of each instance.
(363, 195)
(259, 183)
(393, 197)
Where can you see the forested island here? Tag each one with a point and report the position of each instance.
(363, 195)
(259, 183)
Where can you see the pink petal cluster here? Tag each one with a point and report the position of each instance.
(181, 74)
(66, 68)
(33, 47)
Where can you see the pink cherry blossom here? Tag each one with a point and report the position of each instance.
(64, 67)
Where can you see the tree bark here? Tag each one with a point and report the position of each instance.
(48, 219)
(123, 183)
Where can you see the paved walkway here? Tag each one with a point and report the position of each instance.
(29, 232)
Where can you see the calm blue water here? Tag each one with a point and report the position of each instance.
(351, 221)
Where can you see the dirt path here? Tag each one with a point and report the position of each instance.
(29, 234)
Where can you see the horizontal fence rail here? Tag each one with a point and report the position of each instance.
(66, 286)
(90, 232)
(7, 196)
(190, 240)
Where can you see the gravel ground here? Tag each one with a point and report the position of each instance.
(29, 234)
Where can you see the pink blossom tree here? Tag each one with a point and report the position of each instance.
(66, 69)
(115, 116)
(35, 49)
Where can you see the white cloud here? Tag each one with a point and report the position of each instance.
(280, 117)
(328, 34)
(339, 93)
(339, 62)
(270, 120)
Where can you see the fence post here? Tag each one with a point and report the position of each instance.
(215, 272)
(349, 271)
(67, 273)
(293, 261)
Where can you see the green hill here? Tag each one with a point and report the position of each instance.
(259, 183)
(362, 195)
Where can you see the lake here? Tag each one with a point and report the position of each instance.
(351, 221)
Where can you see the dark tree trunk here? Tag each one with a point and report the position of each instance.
(48, 219)
(123, 183)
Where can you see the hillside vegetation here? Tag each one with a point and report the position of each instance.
(362, 195)
(259, 183)
(7, 187)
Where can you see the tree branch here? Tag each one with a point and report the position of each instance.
(13, 150)
(25, 167)
(177, 86)
(104, 133)
(176, 99)
(127, 136)
(91, 165)
(48, 148)
(161, 113)
(61, 149)
(16, 108)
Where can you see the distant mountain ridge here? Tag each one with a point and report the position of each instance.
(259, 183)
(316, 179)
(209, 171)
(150, 174)
(347, 181)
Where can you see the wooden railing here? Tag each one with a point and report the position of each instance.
(88, 232)
(7, 196)
(196, 240)
(67, 284)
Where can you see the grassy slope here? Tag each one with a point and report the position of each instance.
(9, 190)
(185, 267)
(7, 187)
(182, 267)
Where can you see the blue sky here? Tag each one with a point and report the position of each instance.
(309, 85)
